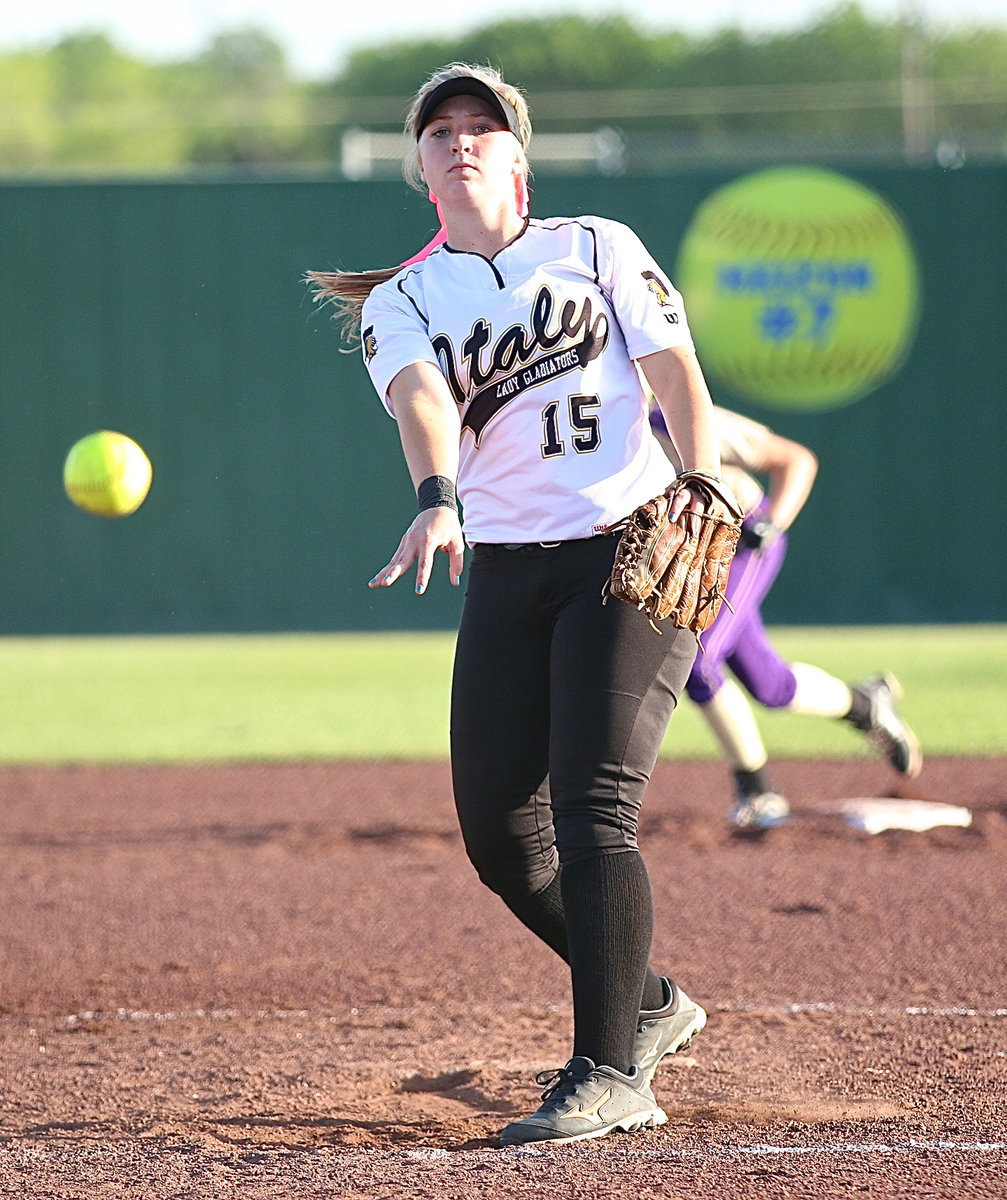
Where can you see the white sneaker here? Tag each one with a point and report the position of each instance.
(584, 1101)
(666, 1030)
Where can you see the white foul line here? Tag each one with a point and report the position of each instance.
(221, 1014)
(910, 1147)
(915, 1010)
(764, 1149)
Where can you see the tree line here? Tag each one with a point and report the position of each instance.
(85, 104)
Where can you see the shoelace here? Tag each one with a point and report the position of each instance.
(553, 1081)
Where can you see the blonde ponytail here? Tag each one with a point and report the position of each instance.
(346, 292)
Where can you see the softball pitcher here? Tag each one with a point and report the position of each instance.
(507, 352)
(737, 639)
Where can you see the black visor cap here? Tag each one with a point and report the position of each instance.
(467, 85)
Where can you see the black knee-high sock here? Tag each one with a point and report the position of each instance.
(543, 914)
(609, 928)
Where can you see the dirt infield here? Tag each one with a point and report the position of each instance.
(285, 981)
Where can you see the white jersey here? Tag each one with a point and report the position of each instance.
(538, 347)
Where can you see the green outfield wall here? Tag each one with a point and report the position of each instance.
(176, 313)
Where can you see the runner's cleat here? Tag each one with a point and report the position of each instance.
(753, 814)
(666, 1030)
(885, 729)
(584, 1101)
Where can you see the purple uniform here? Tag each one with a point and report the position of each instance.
(737, 639)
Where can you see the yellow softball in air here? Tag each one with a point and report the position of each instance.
(107, 474)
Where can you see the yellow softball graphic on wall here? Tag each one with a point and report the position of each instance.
(802, 287)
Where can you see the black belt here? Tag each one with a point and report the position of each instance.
(532, 545)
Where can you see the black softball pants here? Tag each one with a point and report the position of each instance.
(559, 707)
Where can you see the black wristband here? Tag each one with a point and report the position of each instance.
(436, 491)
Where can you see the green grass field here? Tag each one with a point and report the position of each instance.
(385, 696)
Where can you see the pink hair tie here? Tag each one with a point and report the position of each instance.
(522, 197)
(441, 236)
